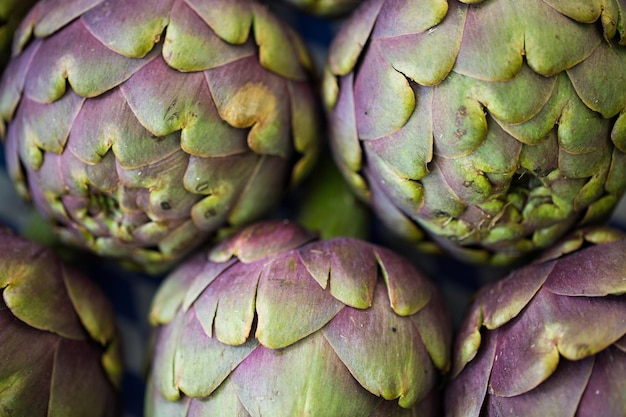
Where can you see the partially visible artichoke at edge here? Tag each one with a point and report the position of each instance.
(60, 353)
(142, 128)
(550, 338)
(11, 13)
(488, 130)
(273, 322)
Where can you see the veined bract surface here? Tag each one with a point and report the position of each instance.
(141, 128)
(486, 128)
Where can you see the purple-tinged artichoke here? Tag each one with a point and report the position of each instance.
(142, 128)
(488, 130)
(550, 338)
(276, 323)
(59, 346)
(327, 206)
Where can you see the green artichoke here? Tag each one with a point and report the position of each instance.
(11, 13)
(327, 206)
(549, 339)
(59, 343)
(142, 128)
(488, 130)
(276, 323)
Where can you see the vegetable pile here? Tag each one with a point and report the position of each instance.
(289, 201)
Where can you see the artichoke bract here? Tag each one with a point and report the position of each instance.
(550, 338)
(486, 130)
(141, 128)
(59, 343)
(273, 322)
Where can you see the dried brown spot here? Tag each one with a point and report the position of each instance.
(253, 103)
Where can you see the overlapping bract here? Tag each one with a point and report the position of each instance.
(277, 323)
(59, 344)
(549, 339)
(143, 127)
(487, 129)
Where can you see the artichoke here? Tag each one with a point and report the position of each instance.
(327, 206)
(550, 338)
(143, 128)
(276, 323)
(59, 344)
(11, 12)
(485, 130)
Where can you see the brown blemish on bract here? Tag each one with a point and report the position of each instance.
(253, 103)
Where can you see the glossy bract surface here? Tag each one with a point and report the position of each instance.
(140, 128)
(276, 323)
(550, 338)
(59, 345)
(487, 128)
